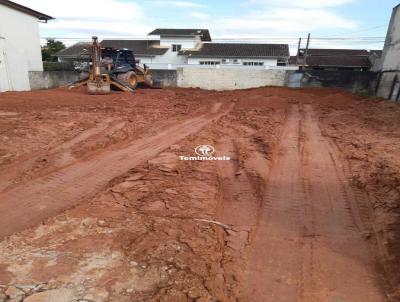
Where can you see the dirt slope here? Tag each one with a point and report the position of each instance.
(95, 204)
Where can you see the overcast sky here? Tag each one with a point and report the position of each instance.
(340, 23)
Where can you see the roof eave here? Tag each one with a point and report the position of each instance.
(26, 10)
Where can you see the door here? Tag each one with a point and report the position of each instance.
(4, 76)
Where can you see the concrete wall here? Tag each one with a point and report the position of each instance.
(240, 78)
(354, 81)
(168, 77)
(19, 48)
(388, 85)
(229, 79)
(51, 79)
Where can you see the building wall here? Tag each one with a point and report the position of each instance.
(171, 57)
(388, 84)
(391, 52)
(20, 47)
(267, 62)
(186, 42)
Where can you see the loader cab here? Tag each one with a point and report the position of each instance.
(126, 57)
(121, 60)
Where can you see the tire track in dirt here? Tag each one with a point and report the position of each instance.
(28, 204)
(308, 246)
(62, 153)
(241, 183)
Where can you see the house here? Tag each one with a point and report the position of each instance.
(388, 84)
(334, 59)
(190, 47)
(177, 40)
(146, 51)
(20, 50)
(238, 54)
(73, 53)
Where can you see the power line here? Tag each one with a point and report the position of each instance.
(361, 30)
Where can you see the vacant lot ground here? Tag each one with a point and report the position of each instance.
(96, 205)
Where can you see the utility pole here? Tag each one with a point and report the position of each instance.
(306, 52)
(298, 51)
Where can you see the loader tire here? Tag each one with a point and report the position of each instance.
(83, 75)
(129, 79)
(148, 80)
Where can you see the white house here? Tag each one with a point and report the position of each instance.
(19, 45)
(388, 84)
(238, 54)
(177, 40)
(171, 48)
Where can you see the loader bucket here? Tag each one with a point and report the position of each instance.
(98, 87)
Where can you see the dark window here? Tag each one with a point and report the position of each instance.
(210, 62)
(281, 63)
(253, 63)
(176, 47)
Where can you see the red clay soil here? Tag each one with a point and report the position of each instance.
(96, 205)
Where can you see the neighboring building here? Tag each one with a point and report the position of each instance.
(238, 54)
(146, 51)
(177, 40)
(334, 59)
(73, 53)
(20, 50)
(181, 47)
(388, 85)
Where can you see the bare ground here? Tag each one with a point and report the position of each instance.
(95, 204)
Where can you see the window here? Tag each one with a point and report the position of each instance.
(281, 62)
(176, 47)
(209, 62)
(253, 63)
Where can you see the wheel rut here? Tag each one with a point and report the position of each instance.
(30, 203)
(308, 245)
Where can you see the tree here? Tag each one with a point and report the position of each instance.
(52, 46)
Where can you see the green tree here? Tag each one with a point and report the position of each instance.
(52, 46)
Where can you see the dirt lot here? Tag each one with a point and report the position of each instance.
(97, 205)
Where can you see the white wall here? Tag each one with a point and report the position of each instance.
(169, 57)
(229, 78)
(267, 62)
(391, 52)
(21, 49)
(186, 42)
